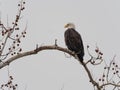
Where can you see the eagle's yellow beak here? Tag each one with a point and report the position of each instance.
(66, 26)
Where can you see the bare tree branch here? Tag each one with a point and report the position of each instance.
(90, 77)
(53, 47)
(116, 85)
(35, 51)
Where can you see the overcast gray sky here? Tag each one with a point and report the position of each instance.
(98, 21)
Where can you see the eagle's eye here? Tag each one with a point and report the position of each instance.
(68, 24)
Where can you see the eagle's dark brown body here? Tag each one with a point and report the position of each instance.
(74, 42)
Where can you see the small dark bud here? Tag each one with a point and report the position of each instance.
(16, 20)
(96, 50)
(112, 68)
(10, 86)
(88, 46)
(11, 29)
(2, 43)
(2, 85)
(103, 75)
(18, 4)
(14, 52)
(16, 85)
(23, 2)
(16, 28)
(100, 57)
(13, 47)
(6, 85)
(24, 32)
(17, 44)
(20, 50)
(14, 42)
(9, 49)
(117, 71)
(116, 65)
(23, 35)
(16, 24)
(9, 82)
(100, 53)
(6, 31)
(113, 63)
(11, 77)
(17, 35)
(93, 62)
(18, 40)
(99, 79)
(23, 8)
(2, 32)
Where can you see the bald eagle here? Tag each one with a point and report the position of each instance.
(74, 41)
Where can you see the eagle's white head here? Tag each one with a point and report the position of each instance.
(69, 25)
